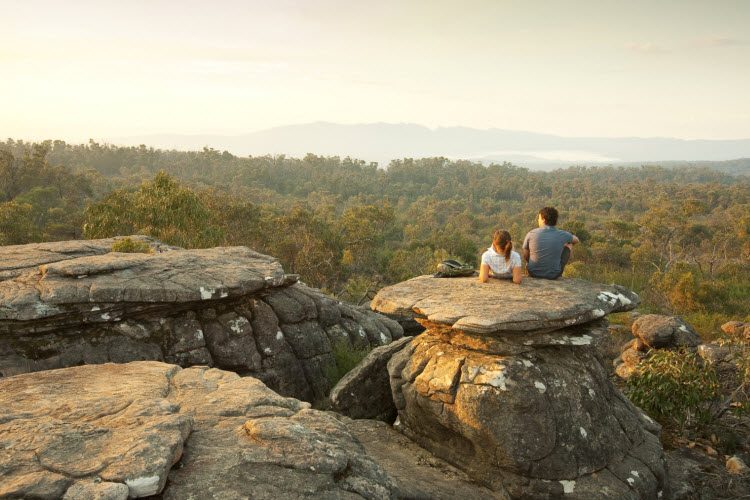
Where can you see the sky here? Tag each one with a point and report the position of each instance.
(77, 69)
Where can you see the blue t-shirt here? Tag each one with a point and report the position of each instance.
(545, 245)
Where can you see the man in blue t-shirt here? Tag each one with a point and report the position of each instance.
(546, 248)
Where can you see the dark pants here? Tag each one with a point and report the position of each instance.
(564, 258)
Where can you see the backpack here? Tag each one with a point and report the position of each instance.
(453, 269)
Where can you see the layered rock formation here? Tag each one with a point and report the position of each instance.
(506, 385)
(117, 431)
(71, 303)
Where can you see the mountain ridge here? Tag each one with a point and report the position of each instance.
(383, 142)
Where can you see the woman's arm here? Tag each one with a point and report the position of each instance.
(517, 275)
(484, 273)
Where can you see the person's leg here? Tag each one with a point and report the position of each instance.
(564, 258)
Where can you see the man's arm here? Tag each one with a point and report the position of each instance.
(575, 240)
(526, 255)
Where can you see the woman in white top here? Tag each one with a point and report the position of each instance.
(501, 260)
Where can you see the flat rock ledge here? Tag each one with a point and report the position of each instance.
(76, 302)
(498, 306)
(116, 430)
(506, 385)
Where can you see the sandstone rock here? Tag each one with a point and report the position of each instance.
(624, 371)
(365, 392)
(713, 353)
(735, 465)
(518, 396)
(737, 328)
(419, 475)
(467, 305)
(79, 425)
(632, 358)
(97, 491)
(72, 433)
(659, 331)
(226, 307)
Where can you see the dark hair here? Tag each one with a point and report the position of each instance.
(549, 214)
(501, 241)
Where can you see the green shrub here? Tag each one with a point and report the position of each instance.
(739, 347)
(347, 357)
(676, 385)
(128, 245)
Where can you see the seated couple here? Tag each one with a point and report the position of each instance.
(546, 249)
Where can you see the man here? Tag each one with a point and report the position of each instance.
(546, 249)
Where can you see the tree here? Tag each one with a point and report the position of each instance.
(161, 209)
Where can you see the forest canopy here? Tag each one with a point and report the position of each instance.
(680, 237)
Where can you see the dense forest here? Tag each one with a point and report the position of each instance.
(680, 237)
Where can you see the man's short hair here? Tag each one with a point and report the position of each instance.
(549, 214)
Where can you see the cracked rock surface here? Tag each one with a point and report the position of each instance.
(499, 306)
(70, 303)
(517, 395)
(115, 431)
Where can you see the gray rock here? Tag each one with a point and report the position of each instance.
(365, 392)
(713, 353)
(658, 331)
(72, 303)
(467, 305)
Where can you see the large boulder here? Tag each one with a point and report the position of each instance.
(365, 392)
(658, 331)
(76, 302)
(506, 384)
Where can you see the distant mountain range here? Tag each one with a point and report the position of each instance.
(383, 142)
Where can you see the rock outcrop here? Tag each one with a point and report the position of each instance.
(506, 385)
(71, 303)
(117, 431)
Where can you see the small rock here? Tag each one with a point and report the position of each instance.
(735, 465)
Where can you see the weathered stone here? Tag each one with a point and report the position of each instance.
(208, 307)
(737, 328)
(713, 353)
(518, 396)
(327, 308)
(285, 307)
(735, 465)
(419, 475)
(80, 425)
(357, 334)
(632, 358)
(229, 350)
(316, 370)
(266, 328)
(307, 339)
(658, 331)
(188, 335)
(365, 392)
(308, 304)
(467, 305)
(97, 491)
(63, 432)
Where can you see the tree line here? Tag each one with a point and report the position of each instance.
(680, 237)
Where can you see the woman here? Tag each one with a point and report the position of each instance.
(504, 262)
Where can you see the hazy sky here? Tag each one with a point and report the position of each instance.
(77, 69)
